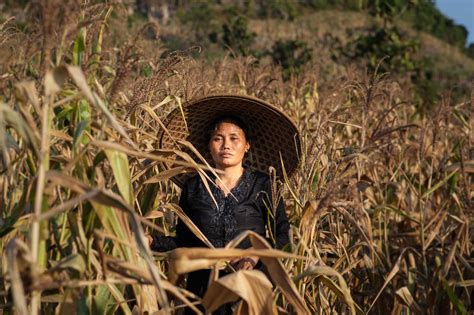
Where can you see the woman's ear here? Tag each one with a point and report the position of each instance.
(247, 147)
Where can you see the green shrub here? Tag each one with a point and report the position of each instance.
(424, 16)
(292, 55)
(201, 17)
(389, 50)
(470, 50)
(237, 36)
(282, 9)
(381, 43)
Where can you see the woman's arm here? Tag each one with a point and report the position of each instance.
(183, 236)
(279, 228)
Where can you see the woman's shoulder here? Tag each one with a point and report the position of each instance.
(195, 183)
(192, 182)
(259, 175)
(261, 179)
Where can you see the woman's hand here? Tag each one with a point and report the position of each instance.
(245, 263)
(149, 238)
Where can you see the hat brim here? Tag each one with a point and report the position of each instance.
(275, 137)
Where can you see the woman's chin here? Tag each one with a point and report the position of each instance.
(226, 164)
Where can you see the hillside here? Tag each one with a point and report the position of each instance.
(331, 38)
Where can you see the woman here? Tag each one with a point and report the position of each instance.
(242, 199)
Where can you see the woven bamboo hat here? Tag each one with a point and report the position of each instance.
(272, 132)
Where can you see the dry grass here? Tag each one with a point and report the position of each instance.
(381, 206)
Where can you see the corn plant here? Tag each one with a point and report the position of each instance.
(380, 207)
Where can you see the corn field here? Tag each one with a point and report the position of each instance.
(380, 207)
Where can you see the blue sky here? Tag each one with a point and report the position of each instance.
(461, 11)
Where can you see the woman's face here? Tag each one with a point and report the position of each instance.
(228, 145)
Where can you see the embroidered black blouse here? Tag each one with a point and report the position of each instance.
(247, 207)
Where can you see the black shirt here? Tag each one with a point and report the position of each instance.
(248, 206)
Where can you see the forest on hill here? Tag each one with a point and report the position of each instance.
(387, 34)
(409, 39)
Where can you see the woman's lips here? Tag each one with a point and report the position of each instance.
(225, 155)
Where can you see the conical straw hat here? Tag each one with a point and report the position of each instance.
(274, 137)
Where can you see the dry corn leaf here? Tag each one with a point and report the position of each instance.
(60, 135)
(404, 294)
(69, 204)
(466, 283)
(11, 118)
(435, 231)
(153, 293)
(80, 80)
(390, 276)
(28, 89)
(157, 119)
(468, 167)
(54, 80)
(116, 223)
(18, 292)
(341, 290)
(129, 270)
(183, 260)
(151, 156)
(252, 286)
(449, 259)
(189, 223)
(311, 212)
(153, 214)
(167, 174)
(103, 197)
(279, 276)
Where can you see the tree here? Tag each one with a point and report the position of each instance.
(237, 36)
(292, 55)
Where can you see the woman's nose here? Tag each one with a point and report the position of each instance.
(226, 144)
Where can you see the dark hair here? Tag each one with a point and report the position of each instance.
(236, 120)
